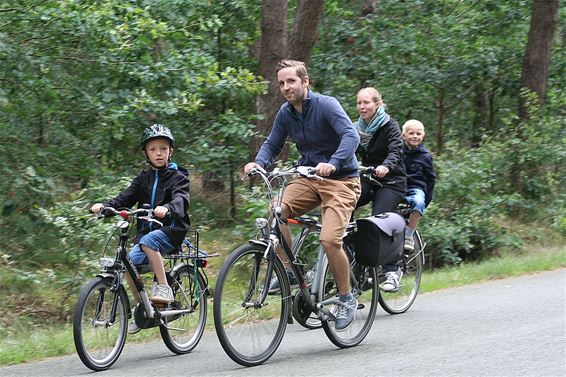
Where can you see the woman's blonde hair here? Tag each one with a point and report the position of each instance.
(375, 95)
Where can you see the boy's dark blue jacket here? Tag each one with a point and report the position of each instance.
(420, 171)
(164, 187)
(322, 133)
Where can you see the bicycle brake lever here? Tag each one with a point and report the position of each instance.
(308, 172)
(150, 219)
(257, 169)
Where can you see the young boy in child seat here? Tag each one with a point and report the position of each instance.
(165, 187)
(420, 176)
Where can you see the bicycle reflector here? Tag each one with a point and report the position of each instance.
(202, 263)
(124, 215)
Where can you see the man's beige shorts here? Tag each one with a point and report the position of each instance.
(337, 199)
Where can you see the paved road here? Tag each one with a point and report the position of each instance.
(510, 327)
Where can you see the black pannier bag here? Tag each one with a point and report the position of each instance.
(378, 239)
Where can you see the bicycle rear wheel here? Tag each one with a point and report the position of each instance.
(182, 333)
(364, 286)
(99, 341)
(411, 263)
(249, 331)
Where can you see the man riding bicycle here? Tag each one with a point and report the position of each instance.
(326, 140)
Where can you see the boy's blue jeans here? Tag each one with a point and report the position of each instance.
(155, 240)
(416, 199)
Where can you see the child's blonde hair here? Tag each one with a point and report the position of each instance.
(413, 123)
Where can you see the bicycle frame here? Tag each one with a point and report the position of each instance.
(274, 237)
(251, 334)
(123, 263)
(311, 293)
(102, 311)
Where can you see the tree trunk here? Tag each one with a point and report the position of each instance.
(214, 181)
(302, 39)
(370, 7)
(305, 29)
(441, 108)
(537, 52)
(481, 119)
(533, 76)
(272, 47)
(41, 132)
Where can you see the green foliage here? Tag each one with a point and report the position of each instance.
(477, 196)
(428, 59)
(438, 62)
(80, 80)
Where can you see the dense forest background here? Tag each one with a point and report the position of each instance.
(80, 80)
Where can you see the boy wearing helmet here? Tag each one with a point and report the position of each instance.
(165, 187)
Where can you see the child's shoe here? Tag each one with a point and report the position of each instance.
(409, 244)
(164, 295)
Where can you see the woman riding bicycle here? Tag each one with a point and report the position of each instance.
(381, 145)
(165, 187)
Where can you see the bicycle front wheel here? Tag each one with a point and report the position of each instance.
(250, 331)
(365, 287)
(411, 263)
(181, 333)
(99, 338)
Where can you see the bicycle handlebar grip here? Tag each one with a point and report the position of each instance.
(257, 170)
(106, 212)
(366, 169)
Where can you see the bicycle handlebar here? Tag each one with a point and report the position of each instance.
(303, 171)
(141, 213)
(366, 172)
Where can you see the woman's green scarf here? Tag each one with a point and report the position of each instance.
(366, 131)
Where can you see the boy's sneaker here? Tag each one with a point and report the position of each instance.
(275, 288)
(153, 289)
(409, 244)
(164, 295)
(133, 328)
(345, 314)
(392, 280)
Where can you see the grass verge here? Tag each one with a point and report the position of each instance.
(507, 265)
(28, 343)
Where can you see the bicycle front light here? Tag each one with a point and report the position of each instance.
(106, 262)
(261, 224)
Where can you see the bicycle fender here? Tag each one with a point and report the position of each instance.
(177, 267)
(181, 265)
(258, 242)
(103, 274)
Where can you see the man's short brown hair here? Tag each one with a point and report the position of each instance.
(300, 67)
